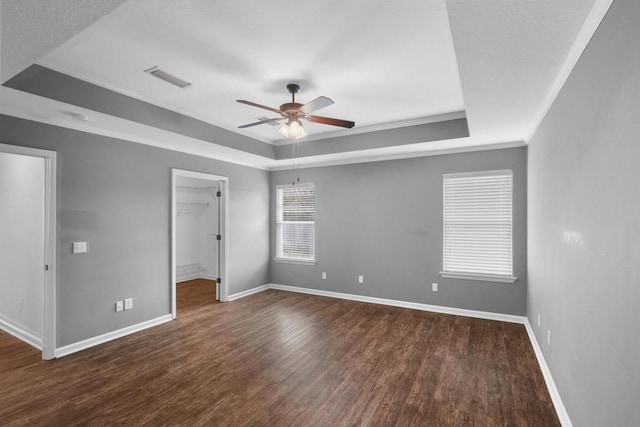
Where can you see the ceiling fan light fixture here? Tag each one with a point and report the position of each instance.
(302, 133)
(296, 130)
(293, 129)
(285, 131)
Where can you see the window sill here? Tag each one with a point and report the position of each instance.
(482, 277)
(295, 261)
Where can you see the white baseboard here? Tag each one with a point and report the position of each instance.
(110, 336)
(248, 292)
(21, 333)
(405, 304)
(548, 379)
(195, 277)
(187, 278)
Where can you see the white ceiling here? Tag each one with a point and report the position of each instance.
(510, 53)
(386, 63)
(31, 29)
(381, 61)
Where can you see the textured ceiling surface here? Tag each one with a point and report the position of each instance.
(31, 28)
(390, 65)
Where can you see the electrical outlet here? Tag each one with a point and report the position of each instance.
(128, 303)
(119, 305)
(434, 287)
(360, 279)
(549, 338)
(538, 320)
(324, 275)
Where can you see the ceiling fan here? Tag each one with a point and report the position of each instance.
(292, 112)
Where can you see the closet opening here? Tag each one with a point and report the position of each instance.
(28, 247)
(199, 241)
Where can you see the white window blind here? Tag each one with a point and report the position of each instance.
(295, 222)
(478, 224)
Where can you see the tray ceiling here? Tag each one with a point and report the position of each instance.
(393, 67)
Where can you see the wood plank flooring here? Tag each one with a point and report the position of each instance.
(279, 358)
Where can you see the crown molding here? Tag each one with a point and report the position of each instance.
(587, 31)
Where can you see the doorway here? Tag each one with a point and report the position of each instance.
(27, 246)
(199, 236)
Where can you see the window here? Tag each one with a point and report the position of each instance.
(477, 238)
(295, 223)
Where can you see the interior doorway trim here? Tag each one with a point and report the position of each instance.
(223, 181)
(50, 225)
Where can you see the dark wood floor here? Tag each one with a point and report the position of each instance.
(279, 358)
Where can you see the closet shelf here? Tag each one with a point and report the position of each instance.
(190, 207)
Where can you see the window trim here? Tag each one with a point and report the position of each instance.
(477, 275)
(295, 261)
(298, 261)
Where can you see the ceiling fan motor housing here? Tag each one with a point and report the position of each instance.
(290, 107)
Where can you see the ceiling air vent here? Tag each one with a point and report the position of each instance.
(169, 78)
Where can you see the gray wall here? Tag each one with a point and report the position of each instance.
(584, 228)
(384, 221)
(116, 195)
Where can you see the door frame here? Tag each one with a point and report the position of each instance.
(223, 181)
(50, 228)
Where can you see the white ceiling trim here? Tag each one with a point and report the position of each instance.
(587, 31)
(424, 149)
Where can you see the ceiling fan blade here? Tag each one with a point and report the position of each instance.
(253, 104)
(330, 121)
(261, 122)
(316, 104)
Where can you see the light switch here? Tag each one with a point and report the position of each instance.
(79, 247)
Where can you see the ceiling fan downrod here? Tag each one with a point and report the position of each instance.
(293, 88)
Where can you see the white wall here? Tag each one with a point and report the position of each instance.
(22, 242)
(208, 231)
(196, 227)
